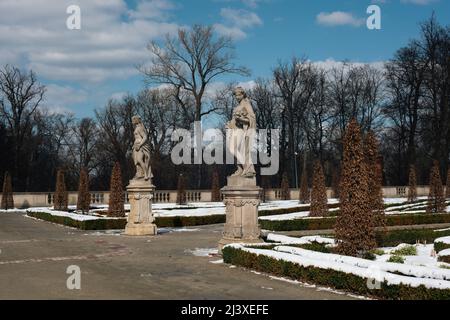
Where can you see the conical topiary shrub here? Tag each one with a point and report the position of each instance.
(447, 187)
(61, 198)
(355, 226)
(7, 193)
(116, 197)
(285, 190)
(84, 197)
(319, 199)
(215, 187)
(374, 178)
(436, 200)
(181, 191)
(305, 195)
(412, 184)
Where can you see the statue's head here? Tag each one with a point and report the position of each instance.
(136, 120)
(239, 94)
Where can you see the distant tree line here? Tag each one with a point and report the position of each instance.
(405, 102)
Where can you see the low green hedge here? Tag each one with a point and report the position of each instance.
(440, 246)
(175, 222)
(118, 224)
(445, 259)
(396, 237)
(329, 278)
(281, 211)
(329, 222)
(99, 224)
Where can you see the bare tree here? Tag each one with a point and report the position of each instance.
(20, 96)
(190, 62)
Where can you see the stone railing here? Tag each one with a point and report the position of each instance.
(45, 199)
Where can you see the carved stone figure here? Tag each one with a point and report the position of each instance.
(141, 189)
(241, 195)
(242, 129)
(141, 151)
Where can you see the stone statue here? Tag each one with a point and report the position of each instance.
(241, 194)
(141, 151)
(242, 126)
(141, 190)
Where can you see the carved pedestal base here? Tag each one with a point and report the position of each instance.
(242, 198)
(140, 219)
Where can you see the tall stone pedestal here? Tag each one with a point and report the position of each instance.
(140, 219)
(242, 199)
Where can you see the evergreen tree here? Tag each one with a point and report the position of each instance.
(7, 193)
(355, 226)
(436, 200)
(215, 188)
(412, 184)
(374, 178)
(181, 191)
(61, 198)
(319, 199)
(304, 188)
(116, 196)
(84, 197)
(285, 189)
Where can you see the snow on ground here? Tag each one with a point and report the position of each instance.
(445, 240)
(13, 211)
(293, 216)
(74, 216)
(321, 261)
(303, 240)
(444, 253)
(202, 252)
(415, 276)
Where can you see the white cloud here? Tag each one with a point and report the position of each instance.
(34, 33)
(338, 18)
(236, 21)
(419, 2)
(59, 99)
(331, 63)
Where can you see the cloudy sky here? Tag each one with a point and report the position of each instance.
(84, 68)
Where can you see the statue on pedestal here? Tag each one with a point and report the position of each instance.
(241, 195)
(141, 189)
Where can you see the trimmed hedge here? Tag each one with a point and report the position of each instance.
(281, 211)
(99, 224)
(175, 222)
(118, 224)
(396, 237)
(329, 222)
(330, 278)
(445, 259)
(440, 246)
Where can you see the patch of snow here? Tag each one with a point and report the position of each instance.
(444, 253)
(198, 252)
(325, 261)
(74, 216)
(303, 240)
(409, 270)
(445, 240)
(217, 262)
(13, 211)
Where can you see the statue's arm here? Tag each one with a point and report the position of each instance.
(144, 136)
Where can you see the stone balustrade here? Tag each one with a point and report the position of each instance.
(45, 199)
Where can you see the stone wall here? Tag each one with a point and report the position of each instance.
(45, 199)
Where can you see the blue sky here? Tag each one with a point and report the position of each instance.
(84, 68)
